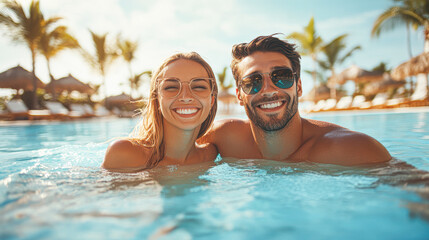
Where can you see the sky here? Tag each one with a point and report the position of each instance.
(211, 28)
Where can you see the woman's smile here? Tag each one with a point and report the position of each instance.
(186, 112)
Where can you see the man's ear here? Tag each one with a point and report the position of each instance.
(299, 87)
(239, 97)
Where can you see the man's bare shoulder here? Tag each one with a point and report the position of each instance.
(338, 145)
(225, 128)
(125, 154)
(228, 124)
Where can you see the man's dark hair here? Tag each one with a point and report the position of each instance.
(265, 44)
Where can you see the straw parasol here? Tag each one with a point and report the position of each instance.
(356, 74)
(227, 99)
(69, 84)
(383, 86)
(19, 78)
(414, 66)
(118, 100)
(322, 92)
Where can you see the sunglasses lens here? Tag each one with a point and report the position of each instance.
(252, 84)
(283, 78)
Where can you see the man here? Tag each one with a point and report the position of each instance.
(267, 74)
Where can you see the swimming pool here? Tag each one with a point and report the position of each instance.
(51, 187)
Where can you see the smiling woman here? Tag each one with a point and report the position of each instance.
(182, 106)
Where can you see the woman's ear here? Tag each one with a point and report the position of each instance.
(239, 97)
(213, 100)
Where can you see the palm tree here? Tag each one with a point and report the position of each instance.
(381, 67)
(55, 41)
(413, 13)
(408, 12)
(128, 50)
(332, 52)
(136, 81)
(103, 56)
(221, 77)
(311, 44)
(27, 28)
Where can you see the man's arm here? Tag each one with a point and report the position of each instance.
(348, 148)
(218, 131)
(231, 137)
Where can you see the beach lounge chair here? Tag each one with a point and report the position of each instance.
(306, 106)
(358, 101)
(330, 104)
(319, 106)
(394, 102)
(124, 113)
(379, 100)
(88, 110)
(344, 102)
(77, 111)
(419, 97)
(116, 111)
(101, 111)
(17, 110)
(57, 110)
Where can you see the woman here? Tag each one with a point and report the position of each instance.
(182, 106)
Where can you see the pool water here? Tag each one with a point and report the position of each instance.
(51, 187)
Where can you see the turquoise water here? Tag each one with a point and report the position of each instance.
(51, 187)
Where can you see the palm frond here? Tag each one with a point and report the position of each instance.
(349, 53)
(393, 17)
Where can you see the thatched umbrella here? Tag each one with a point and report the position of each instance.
(321, 92)
(118, 100)
(227, 99)
(357, 74)
(18, 78)
(69, 84)
(383, 86)
(414, 66)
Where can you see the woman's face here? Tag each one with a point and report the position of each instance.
(184, 94)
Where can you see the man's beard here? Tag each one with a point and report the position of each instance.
(275, 122)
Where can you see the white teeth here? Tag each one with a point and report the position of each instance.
(186, 110)
(271, 105)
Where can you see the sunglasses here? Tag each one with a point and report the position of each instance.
(282, 78)
(171, 87)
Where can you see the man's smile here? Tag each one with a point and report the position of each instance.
(271, 105)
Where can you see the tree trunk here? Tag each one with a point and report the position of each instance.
(314, 76)
(333, 86)
(52, 79)
(421, 90)
(35, 102)
(131, 77)
(409, 42)
(105, 89)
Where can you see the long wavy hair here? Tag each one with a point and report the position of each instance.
(149, 132)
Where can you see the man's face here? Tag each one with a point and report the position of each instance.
(271, 108)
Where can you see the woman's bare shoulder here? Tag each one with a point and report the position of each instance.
(125, 154)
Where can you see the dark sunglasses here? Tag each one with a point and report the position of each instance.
(282, 78)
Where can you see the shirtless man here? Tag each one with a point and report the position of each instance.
(267, 75)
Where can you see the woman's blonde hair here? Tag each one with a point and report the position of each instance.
(149, 132)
